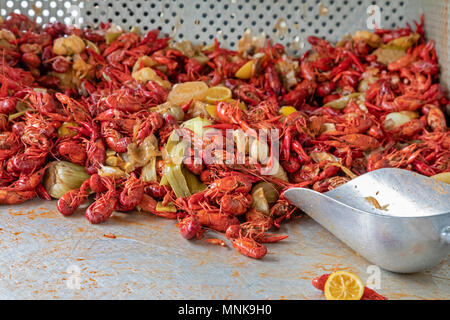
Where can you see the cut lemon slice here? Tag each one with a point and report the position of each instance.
(217, 94)
(287, 110)
(245, 72)
(343, 285)
(182, 93)
(211, 109)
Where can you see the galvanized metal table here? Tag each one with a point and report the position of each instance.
(47, 256)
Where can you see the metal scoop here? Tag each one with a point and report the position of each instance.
(395, 218)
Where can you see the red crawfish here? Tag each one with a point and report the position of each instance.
(27, 162)
(4, 123)
(189, 227)
(408, 129)
(193, 68)
(436, 120)
(78, 110)
(329, 183)
(103, 207)
(42, 192)
(235, 204)
(99, 184)
(125, 41)
(393, 158)
(249, 94)
(123, 100)
(214, 219)
(27, 182)
(155, 190)
(315, 172)
(355, 140)
(72, 150)
(9, 145)
(232, 114)
(148, 204)
(8, 105)
(297, 96)
(258, 219)
(132, 193)
(236, 183)
(249, 247)
(156, 93)
(249, 229)
(190, 163)
(282, 210)
(16, 197)
(292, 165)
(71, 200)
(46, 105)
(96, 155)
(114, 140)
(152, 122)
(273, 80)
(60, 64)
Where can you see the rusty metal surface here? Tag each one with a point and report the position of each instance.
(40, 251)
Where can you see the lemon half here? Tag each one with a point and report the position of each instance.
(343, 285)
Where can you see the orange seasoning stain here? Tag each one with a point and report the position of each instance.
(235, 273)
(16, 213)
(48, 214)
(109, 235)
(32, 214)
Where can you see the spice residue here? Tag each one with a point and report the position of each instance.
(375, 203)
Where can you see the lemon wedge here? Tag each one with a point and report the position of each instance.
(287, 110)
(217, 94)
(245, 72)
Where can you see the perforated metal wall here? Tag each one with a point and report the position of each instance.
(285, 21)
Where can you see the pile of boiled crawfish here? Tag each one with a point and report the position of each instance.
(370, 101)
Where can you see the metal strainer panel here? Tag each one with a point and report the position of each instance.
(285, 21)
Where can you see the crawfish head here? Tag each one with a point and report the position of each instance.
(8, 105)
(189, 227)
(132, 193)
(9, 145)
(123, 100)
(74, 151)
(235, 204)
(70, 201)
(102, 208)
(231, 184)
(96, 155)
(15, 197)
(249, 94)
